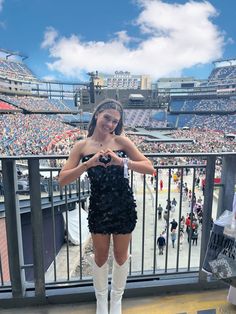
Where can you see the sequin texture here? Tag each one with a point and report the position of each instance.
(111, 203)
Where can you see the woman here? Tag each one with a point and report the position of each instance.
(107, 155)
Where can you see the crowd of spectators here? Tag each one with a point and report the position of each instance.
(213, 104)
(22, 134)
(204, 141)
(143, 118)
(223, 73)
(35, 104)
(15, 70)
(226, 123)
(218, 104)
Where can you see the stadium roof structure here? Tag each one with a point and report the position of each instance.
(10, 53)
(223, 62)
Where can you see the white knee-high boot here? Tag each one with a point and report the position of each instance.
(119, 276)
(232, 295)
(100, 282)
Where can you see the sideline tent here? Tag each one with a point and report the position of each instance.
(74, 228)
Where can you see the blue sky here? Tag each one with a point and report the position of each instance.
(66, 39)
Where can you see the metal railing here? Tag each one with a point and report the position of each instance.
(37, 253)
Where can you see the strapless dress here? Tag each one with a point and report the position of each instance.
(111, 203)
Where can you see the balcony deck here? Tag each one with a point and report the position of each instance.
(49, 274)
(210, 302)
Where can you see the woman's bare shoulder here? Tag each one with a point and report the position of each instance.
(80, 145)
(123, 140)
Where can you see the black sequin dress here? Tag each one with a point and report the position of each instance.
(111, 204)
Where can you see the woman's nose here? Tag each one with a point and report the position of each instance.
(109, 123)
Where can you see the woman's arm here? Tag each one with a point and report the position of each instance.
(137, 161)
(72, 168)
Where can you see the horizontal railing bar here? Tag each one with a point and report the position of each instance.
(130, 278)
(27, 266)
(200, 154)
(179, 166)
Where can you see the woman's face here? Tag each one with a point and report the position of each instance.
(108, 120)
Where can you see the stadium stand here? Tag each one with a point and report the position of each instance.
(35, 104)
(6, 107)
(33, 132)
(203, 104)
(223, 73)
(144, 118)
(29, 134)
(15, 70)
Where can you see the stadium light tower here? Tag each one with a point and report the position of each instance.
(92, 76)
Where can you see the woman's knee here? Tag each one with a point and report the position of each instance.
(120, 257)
(101, 245)
(101, 257)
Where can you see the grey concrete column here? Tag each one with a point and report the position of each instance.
(228, 179)
(13, 228)
(37, 227)
(207, 211)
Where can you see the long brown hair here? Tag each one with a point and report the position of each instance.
(107, 103)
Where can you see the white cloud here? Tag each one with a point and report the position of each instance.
(1, 4)
(50, 37)
(49, 78)
(176, 36)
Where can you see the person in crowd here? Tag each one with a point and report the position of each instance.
(161, 242)
(182, 223)
(159, 211)
(168, 205)
(173, 208)
(188, 223)
(107, 155)
(161, 184)
(151, 180)
(197, 182)
(194, 198)
(181, 239)
(165, 216)
(199, 200)
(173, 224)
(173, 236)
(174, 202)
(190, 195)
(194, 236)
(195, 223)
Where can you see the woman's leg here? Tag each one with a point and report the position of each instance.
(119, 271)
(101, 245)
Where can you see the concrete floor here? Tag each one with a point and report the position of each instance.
(211, 302)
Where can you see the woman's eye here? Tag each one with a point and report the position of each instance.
(109, 119)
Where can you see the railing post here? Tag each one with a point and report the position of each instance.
(227, 191)
(13, 228)
(207, 211)
(37, 227)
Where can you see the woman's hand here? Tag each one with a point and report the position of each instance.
(96, 160)
(113, 159)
